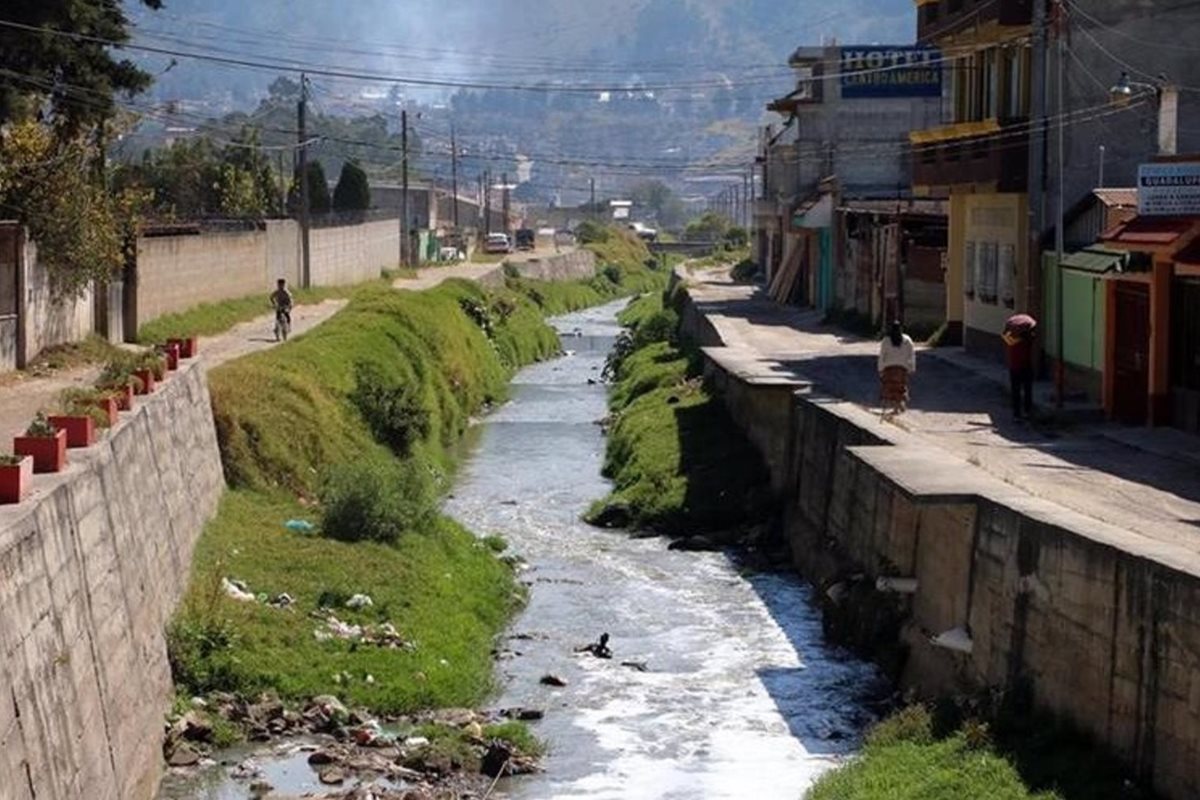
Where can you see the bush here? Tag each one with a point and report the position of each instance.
(375, 500)
(736, 238)
(612, 273)
(589, 232)
(660, 326)
(392, 410)
(913, 725)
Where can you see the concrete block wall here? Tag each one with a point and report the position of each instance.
(175, 273)
(91, 568)
(1099, 625)
(577, 265)
(353, 253)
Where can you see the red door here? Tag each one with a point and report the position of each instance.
(1132, 363)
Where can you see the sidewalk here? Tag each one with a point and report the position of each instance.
(1131, 479)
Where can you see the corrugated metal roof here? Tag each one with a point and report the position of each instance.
(1118, 197)
(1095, 259)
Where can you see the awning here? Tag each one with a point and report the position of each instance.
(1096, 260)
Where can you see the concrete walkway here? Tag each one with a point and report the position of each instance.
(1135, 480)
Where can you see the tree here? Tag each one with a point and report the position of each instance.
(79, 228)
(661, 200)
(76, 77)
(353, 191)
(710, 227)
(318, 189)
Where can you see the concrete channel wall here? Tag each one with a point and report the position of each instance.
(1097, 624)
(92, 566)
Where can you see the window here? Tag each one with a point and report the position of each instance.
(1016, 82)
(986, 277)
(969, 270)
(1008, 275)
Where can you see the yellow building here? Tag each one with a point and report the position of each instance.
(980, 159)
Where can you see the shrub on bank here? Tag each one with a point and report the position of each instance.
(393, 410)
(376, 500)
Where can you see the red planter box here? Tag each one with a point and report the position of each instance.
(171, 351)
(110, 406)
(81, 431)
(15, 480)
(125, 398)
(146, 376)
(188, 347)
(49, 452)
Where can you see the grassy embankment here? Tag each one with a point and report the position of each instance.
(948, 755)
(679, 464)
(352, 426)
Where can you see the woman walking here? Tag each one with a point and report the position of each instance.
(897, 361)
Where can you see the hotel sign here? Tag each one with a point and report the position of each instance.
(881, 71)
(1169, 190)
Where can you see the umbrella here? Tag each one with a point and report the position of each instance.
(1020, 323)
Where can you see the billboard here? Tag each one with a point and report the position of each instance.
(1169, 190)
(883, 71)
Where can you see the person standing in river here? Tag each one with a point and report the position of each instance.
(897, 362)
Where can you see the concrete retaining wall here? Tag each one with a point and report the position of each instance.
(577, 265)
(91, 568)
(1099, 625)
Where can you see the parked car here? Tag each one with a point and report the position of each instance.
(643, 232)
(451, 254)
(526, 239)
(497, 243)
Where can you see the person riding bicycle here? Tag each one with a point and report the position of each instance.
(281, 300)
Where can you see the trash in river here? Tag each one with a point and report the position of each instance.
(360, 601)
(299, 526)
(237, 590)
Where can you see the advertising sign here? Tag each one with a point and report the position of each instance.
(882, 71)
(1169, 190)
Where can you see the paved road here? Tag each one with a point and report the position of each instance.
(966, 413)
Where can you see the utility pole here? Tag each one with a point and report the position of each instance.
(487, 201)
(592, 207)
(1037, 160)
(505, 204)
(1060, 376)
(454, 174)
(305, 200)
(405, 256)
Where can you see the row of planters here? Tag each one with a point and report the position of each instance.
(83, 412)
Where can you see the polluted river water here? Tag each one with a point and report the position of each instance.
(736, 694)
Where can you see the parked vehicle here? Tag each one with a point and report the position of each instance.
(450, 254)
(643, 232)
(526, 239)
(497, 243)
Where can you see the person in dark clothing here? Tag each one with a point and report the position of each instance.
(1019, 335)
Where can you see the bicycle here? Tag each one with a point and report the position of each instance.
(283, 324)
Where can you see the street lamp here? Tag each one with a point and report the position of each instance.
(1167, 97)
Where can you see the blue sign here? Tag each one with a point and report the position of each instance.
(881, 71)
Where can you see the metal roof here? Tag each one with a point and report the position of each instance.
(1095, 259)
(1117, 197)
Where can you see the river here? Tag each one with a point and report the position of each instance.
(740, 697)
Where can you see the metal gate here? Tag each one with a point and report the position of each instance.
(1132, 362)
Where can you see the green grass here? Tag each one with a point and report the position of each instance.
(919, 755)
(209, 319)
(679, 464)
(442, 589)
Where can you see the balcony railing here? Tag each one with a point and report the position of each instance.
(938, 18)
(989, 154)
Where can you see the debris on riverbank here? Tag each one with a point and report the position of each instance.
(448, 753)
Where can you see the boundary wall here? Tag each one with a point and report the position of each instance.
(960, 582)
(92, 565)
